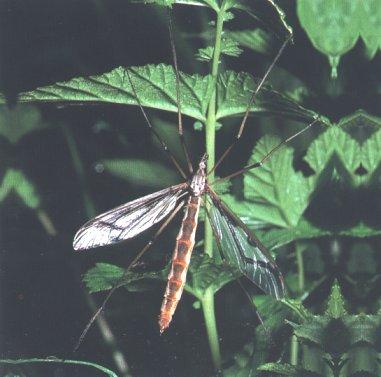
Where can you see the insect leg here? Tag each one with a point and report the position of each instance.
(121, 281)
(150, 126)
(251, 101)
(178, 94)
(267, 156)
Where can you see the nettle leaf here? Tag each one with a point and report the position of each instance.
(370, 15)
(254, 39)
(335, 26)
(14, 181)
(105, 276)
(279, 192)
(361, 231)
(205, 273)
(19, 121)
(229, 47)
(102, 277)
(334, 141)
(370, 153)
(140, 172)
(336, 303)
(312, 330)
(363, 328)
(155, 86)
(234, 91)
(282, 369)
(275, 238)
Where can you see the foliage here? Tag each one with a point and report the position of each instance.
(334, 27)
(314, 204)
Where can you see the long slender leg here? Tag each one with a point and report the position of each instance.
(251, 101)
(121, 280)
(267, 156)
(150, 126)
(179, 115)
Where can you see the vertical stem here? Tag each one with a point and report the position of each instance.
(211, 327)
(294, 350)
(300, 265)
(294, 347)
(210, 138)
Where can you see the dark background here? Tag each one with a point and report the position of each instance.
(43, 305)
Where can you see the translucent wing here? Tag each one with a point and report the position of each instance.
(240, 247)
(128, 220)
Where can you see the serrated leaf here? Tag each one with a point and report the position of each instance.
(279, 194)
(336, 304)
(19, 121)
(312, 330)
(156, 88)
(205, 273)
(205, 54)
(361, 230)
(140, 172)
(281, 369)
(102, 277)
(105, 276)
(234, 91)
(335, 26)
(15, 181)
(363, 329)
(370, 153)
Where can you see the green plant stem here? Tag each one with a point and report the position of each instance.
(210, 140)
(300, 266)
(207, 303)
(294, 350)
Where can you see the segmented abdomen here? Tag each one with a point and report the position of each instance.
(180, 262)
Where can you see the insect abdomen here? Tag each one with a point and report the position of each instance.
(180, 262)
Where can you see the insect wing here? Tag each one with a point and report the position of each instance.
(240, 247)
(128, 220)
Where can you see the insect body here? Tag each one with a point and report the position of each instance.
(235, 241)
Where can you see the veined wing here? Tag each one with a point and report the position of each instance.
(240, 247)
(128, 220)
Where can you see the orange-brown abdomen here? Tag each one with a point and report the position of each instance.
(180, 262)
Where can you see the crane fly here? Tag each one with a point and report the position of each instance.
(237, 244)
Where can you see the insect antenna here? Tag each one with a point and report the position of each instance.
(151, 127)
(267, 156)
(123, 278)
(178, 94)
(251, 102)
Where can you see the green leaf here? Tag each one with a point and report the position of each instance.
(14, 181)
(140, 172)
(279, 194)
(334, 141)
(102, 277)
(105, 276)
(205, 273)
(229, 47)
(370, 153)
(370, 15)
(234, 91)
(335, 305)
(155, 87)
(17, 122)
(281, 369)
(334, 26)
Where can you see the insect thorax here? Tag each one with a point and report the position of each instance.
(198, 182)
